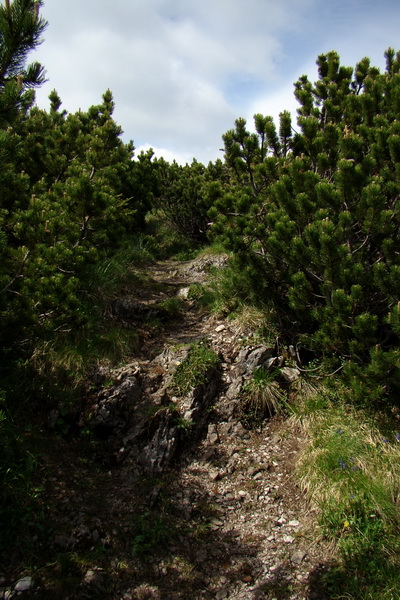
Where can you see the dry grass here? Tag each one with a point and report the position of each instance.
(249, 319)
(346, 456)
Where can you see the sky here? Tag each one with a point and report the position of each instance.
(182, 71)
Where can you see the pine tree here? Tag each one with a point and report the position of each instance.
(66, 185)
(21, 28)
(74, 172)
(184, 195)
(315, 216)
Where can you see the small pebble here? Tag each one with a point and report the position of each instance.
(293, 523)
(288, 539)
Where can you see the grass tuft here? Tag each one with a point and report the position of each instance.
(68, 358)
(194, 369)
(262, 396)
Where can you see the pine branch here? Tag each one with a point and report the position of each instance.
(18, 275)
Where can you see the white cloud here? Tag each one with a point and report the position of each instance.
(181, 71)
(169, 155)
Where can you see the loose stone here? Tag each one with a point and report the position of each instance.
(24, 584)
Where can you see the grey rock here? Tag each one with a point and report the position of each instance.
(250, 358)
(212, 428)
(128, 390)
(290, 374)
(195, 405)
(146, 592)
(253, 471)
(24, 584)
(225, 428)
(240, 432)
(113, 413)
(280, 361)
(214, 474)
(183, 293)
(235, 388)
(227, 409)
(93, 578)
(136, 311)
(298, 557)
(213, 438)
(270, 363)
(129, 370)
(155, 456)
(217, 522)
(171, 357)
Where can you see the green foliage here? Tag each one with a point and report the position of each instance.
(164, 241)
(17, 494)
(354, 458)
(69, 208)
(113, 269)
(153, 532)
(313, 216)
(172, 307)
(185, 194)
(193, 371)
(67, 357)
(70, 196)
(236, 285)
(21, 28)
(202, 295)
(67, 360)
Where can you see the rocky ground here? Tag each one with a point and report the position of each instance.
(168, 498)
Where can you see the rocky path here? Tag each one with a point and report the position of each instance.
(249, 528)
(152, 511)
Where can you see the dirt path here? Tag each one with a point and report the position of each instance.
(225, 519)
(248, 526)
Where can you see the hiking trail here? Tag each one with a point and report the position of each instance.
(159, 508)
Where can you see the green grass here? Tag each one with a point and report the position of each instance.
(193, 371)
(67, 355)
(172, 307)
(154, 531)
(67, 359)
(203, 296)
(102, 279)
(351, 473)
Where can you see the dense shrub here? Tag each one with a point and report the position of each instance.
(185, 194)
(314, 214)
